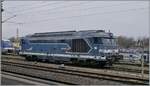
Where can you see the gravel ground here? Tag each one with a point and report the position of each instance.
(61, 77)
(91, 70)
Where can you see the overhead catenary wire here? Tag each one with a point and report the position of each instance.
(62, 8)
(76, 10)
(14, 14)
(85, 9)
(55, 8)
(14, 22)
(70, 16)
(36, 7)
(78, 16)
(11, 13)
(22, 5)
(8, 18)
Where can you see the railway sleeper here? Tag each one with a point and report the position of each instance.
(94, 76)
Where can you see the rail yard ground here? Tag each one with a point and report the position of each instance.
(118, 74)
(16, 79)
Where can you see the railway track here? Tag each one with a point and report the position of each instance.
(129, 68)
(116, 66)
(119, 77)
(129, 63)
(24, 80)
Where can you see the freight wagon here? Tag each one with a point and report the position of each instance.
(94, 47)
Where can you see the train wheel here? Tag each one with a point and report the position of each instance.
(28, 58)
(82, 62)
(74, 60)
(88, 61)
(91, 62)
(31, 58)
(102, 64)
(57, 62)
(34, 58)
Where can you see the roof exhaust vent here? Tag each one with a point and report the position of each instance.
(100, 31)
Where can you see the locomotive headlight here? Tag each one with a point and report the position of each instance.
(103, 57)
(108, 50)
(116, 50)
(105, 51)
(95, 48)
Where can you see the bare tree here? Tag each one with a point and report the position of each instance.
(125, 42)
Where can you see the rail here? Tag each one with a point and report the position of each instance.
(83, 73)
(117, 67)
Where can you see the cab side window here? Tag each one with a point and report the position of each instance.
(97, 40)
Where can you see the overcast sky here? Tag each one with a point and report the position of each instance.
(127, 18)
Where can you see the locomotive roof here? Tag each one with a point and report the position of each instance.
(69, 35)
(65, 32)
(54, 32)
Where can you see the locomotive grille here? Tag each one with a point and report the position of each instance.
(79, 45)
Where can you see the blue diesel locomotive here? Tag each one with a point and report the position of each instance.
(89, 47)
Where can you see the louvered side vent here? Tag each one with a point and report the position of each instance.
(79, 45)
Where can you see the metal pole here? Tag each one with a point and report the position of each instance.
(142, 65)
(142, 60)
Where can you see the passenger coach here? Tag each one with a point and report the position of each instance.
(6, 46)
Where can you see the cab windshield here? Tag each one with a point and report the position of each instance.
(106, 41)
